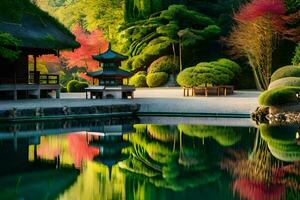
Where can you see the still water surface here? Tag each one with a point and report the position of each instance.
(127, 159)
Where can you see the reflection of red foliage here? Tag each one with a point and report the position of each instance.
(252, 190)
(47, 151)
(79, 149)
(259, 8)
(91, 44)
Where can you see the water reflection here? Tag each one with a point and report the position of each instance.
(264, 173)
(121, 159)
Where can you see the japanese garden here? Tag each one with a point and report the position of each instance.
(150, 99)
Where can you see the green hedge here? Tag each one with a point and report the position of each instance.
(157, 79)
(76, 86)
(287, 71)
(164, 64)
(138, 79)
(279, 96)
(288, 81)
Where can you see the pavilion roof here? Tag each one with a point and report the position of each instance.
(109, 72)
(33, 27)
(110, 56)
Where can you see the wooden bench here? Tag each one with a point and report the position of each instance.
(186, 91)
(208, 90)
(226, 89)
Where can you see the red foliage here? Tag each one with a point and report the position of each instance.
(91, 44)
(80, 150)
(45, 150)
(49, 59)
(259, 8)
(252, 190)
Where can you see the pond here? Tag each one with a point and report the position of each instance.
(149, 158)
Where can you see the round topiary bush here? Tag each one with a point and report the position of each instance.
(157, 79)
(76, 86)
(287, 71)
(80, 86)
(219, 72)
(288, 81)
(164, 64)
(186, 77)
(203, 74)
(215, 67)
(279, 96)
(229, 64)
(71, 85)
(138, 79)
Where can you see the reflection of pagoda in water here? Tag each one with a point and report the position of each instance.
(110, 144)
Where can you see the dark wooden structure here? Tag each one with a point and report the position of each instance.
(38, 34)
(110, 77)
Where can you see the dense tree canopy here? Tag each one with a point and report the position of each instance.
(7, 40)
(90, 14)
(147, 40)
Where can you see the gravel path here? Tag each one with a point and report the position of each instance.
(154, 100)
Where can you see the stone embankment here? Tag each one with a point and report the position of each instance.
(67, 112)
(288, 114)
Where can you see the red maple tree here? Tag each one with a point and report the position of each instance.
(92, 43)
(259, 8)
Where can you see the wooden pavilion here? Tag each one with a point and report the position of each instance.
(39, 34)
(109, 79)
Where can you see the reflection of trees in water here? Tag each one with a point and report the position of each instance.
(175, 157)
(95, 182)
(261, 176)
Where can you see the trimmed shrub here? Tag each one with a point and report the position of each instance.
(219, 72)
(202, 75)
(164, 64)
(76, 86)
(233, 66)
(157, 79)
(138, 79)
(287, 71)
(279, 96)
(80, 86)
(215, 66)
(288, 81)
(186, 77)
(71, 85)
